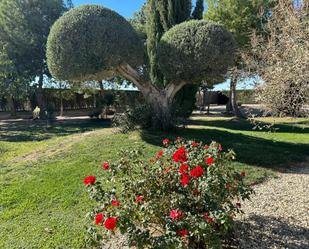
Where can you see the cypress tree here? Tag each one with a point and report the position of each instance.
(162, 15)
(198, 10)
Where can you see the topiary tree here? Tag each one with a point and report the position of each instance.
(94, 43)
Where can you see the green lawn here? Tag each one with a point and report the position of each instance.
(42, 198)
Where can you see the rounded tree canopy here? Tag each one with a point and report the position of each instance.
(89, 42)
(194, 51)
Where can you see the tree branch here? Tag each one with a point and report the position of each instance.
(132, 75)
(172, 89)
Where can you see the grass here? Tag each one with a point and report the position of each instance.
(42, 198)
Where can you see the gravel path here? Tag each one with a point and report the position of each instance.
(278, 215)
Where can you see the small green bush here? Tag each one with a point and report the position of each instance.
(184, 197)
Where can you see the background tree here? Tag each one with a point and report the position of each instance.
(13, 86)
(240, 17)
(24, 27)
(107, 45)
(282, 60)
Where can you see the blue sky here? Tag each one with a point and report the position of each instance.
(124, 7)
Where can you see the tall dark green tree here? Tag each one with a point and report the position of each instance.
(160, 17)
(198, 10)
(24, 27)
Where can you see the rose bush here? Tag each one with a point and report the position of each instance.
(186, 196)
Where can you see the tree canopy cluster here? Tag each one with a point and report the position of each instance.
(93, 42)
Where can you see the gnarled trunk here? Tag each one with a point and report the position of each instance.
(159, 99)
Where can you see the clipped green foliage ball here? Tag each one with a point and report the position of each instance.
(196, 50)
(89, 42)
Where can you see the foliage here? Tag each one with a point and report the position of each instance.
(239, 16)
(184, 102)
(138, 116)
(103, 41)
(282, 60)
(24, 27)
(196, 50)
(160, 17)
(13, 86)
(185, 197)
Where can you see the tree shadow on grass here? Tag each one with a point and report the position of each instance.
(30, 130)
(249, 149)
(244, 125)
(258, 232)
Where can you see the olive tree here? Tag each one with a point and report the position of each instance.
(95, 43)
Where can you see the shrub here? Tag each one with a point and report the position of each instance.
(196, 50)
(184, 197)
(139, 116)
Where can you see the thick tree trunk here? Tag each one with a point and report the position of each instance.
(159, 99)
(232, 104)
(11, 105)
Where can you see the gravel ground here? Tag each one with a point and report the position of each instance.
(278, 215)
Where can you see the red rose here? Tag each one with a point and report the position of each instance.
(197, 172)
(159, 154)
(243, 174)
(183, 168)
(185, 179)
(180, 155)
(176, 214)
(195, 144)
(210, 161)
(182, 232)
(110, 223)
(105, 165)
(166, 141)
(139, 198)
(89, 180)
(99, 218)
(206, 147)
(115, 203)
(208, 219)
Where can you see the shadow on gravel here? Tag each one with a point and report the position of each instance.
(259, 232)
